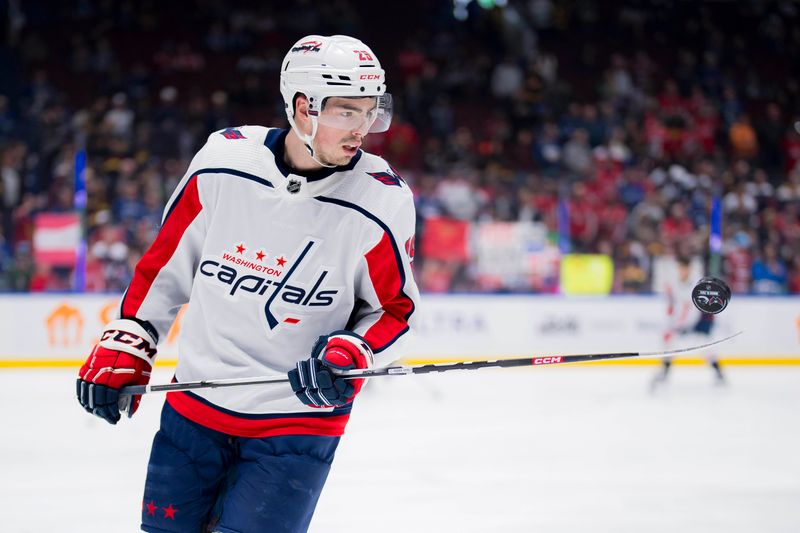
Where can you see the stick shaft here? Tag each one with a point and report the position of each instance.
(418, 369)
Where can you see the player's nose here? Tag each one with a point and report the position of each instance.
(360, 132)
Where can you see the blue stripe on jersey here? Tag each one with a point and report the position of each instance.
(397, 257)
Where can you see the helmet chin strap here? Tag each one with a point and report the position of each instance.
(308, 140)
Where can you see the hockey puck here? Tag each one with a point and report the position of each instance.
(711, 295)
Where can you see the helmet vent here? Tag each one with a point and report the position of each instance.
(339, 83)
(366, 66)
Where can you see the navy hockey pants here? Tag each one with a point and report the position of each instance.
(198, 476)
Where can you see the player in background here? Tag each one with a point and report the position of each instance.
(684, 320)
(293, 250)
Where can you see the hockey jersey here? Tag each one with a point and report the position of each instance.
(268, 259)
(682, 315)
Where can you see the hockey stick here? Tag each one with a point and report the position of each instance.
(419, 369)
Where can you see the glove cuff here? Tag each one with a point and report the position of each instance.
(129, 336)
(365, 355)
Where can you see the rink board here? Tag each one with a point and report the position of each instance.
(58, 330)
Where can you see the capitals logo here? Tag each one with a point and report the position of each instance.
(308, 46)
(233, 133)
(278, 292)
(390, 177)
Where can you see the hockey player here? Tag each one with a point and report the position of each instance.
(292, 248)
(684, 319)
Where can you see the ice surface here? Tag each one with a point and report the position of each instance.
(571, 449)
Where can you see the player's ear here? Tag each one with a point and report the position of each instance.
(301, 117)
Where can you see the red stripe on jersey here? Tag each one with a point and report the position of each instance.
(185, 210)
(205, 415)
(384, 271)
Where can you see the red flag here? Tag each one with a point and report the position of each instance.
(446, 239)
(55, 238)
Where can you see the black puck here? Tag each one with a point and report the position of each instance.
(711, 295)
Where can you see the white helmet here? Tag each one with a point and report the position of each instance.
(320, 67)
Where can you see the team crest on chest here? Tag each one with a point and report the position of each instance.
(276, 279)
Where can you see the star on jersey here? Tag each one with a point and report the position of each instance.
(260, 255)
(281, 261)
(169, 512)
(240, 249)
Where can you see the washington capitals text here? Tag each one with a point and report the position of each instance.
(256, 284)
(259, 285)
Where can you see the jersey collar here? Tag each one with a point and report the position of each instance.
(276, 140)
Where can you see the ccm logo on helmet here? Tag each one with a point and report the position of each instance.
(546, 360)
(370, 77)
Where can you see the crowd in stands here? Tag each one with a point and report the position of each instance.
(633, 114)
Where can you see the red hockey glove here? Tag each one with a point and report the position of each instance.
(124, 356)
(313, 381)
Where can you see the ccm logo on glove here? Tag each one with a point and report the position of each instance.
(124, 356)
(128, 341)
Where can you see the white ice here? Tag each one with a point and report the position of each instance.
(568, 449)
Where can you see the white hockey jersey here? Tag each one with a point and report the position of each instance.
(268, 260)
(682, 316)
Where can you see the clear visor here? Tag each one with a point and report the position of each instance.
(370, 114)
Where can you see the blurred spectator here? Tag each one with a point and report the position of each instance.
(738, 262)
(791, 149)
(128, 207)
(578, 154)
(7, 122)
(676, 227)
(794, 279)
(119, 119)
(770, 136)
(730, 107)
(744, 143)
(770, 275)
(458, 195)
(740, 203)
(20, 272)
(761, 189)
(507, 79)
(547, 150)
(11, 168)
